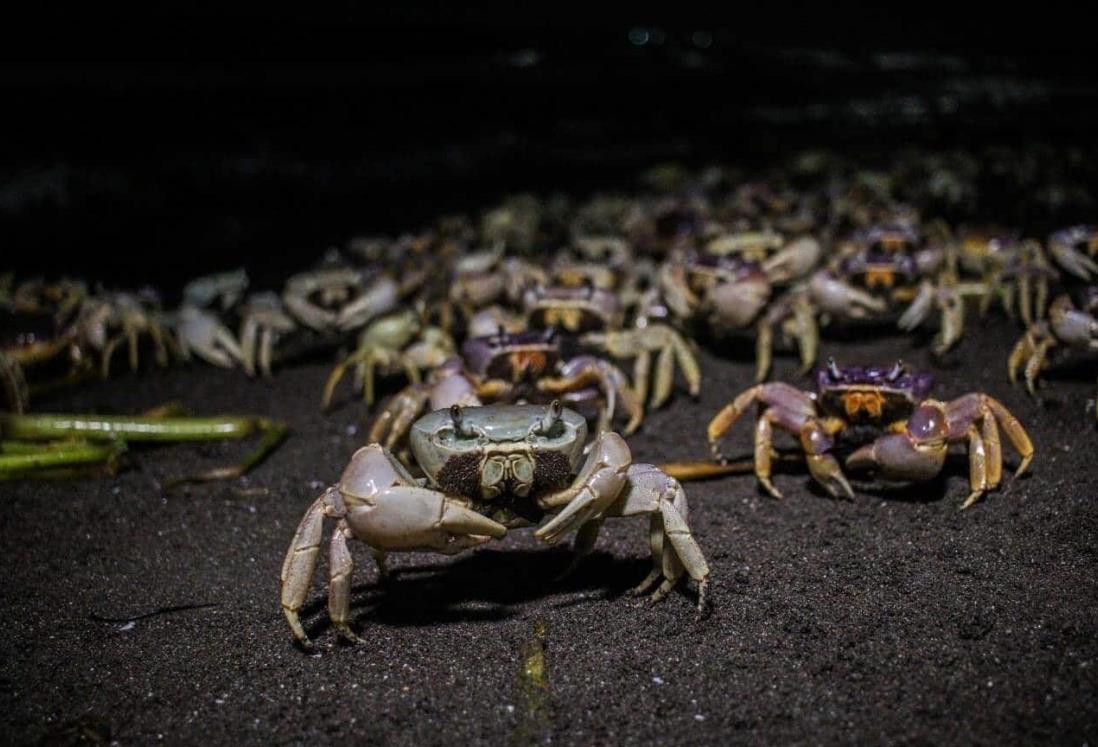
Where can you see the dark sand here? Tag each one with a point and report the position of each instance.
(892, 618)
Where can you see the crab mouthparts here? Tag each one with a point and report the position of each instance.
(506, 473)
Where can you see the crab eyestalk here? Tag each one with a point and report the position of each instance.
(548, 422)
(457, 417)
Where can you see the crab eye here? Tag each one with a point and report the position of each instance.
(549, 422)
(896, 372)
(833, 370)
(458, 419)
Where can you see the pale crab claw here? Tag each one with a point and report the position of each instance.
(737, 304)
(203, 333)
(411, 518)
(226, 287)
(379, 298)
(841, 299)
(595, 489)
(795, 260)
(920, 307)
(1061, 246)
(676, 292)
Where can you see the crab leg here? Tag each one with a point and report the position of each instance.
(15, 383)
(266, 347)
(775, 394)
(764, 348)
(394, 420)
(300, 562)
(586, 369)
(587, 537)
(375, 503)
(649, 490)
(340, 568)
(952, 320)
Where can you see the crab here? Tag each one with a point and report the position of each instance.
(1075, 249)
(107, 320)
(339, 299)
(488, 470)
(488, 276)
(885, 415)
(1010, 269)
(201, 332)
(595, 317)
(263, 321)
(29, 340)
(513, 367)
(226, 289)
(395, 342)
(730, 285)
(1068, 325)
(882, 270)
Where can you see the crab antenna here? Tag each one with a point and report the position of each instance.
(551, 417)
(832, 368)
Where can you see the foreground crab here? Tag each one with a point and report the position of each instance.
(489, 469)
(909, 435)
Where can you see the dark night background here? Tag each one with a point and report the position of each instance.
(151, 146)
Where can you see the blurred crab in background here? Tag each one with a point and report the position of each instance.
(488, 470)
(339, 299)
(887, 418)
(730, 284)
(887, 271)
(1068, 326)
(1075, 249)
(397, 342)
(1010, 269)
(595, 317)
(107, 320)
(486, 277)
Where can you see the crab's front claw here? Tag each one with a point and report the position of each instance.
(1073, 261)
(919, 309)
(201, 332)
(736, 305)
(595, 489)
(676, 291)
(795, 260)
(897, 456)
(411, 518)
(825, 469)
(843, 300)
(381, 297)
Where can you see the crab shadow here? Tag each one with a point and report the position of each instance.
(487, 585)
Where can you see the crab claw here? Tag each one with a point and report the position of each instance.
(795, 260)
(379, 298)
(834, 296)
(897, 456)
(1072, 260)
(410, 518)
(736, 304)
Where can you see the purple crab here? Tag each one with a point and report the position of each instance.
(886, 414)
